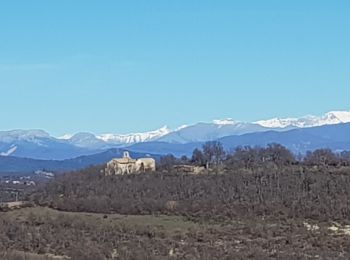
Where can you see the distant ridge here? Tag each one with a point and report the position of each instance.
(330, 118)
(335, 137)
(38, 144)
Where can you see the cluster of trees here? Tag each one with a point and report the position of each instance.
(213, 155)
(293, 190)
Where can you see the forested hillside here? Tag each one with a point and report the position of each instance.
(255, 203)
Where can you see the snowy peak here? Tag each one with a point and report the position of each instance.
(331, 118)
(336, 117)
(83, 139)
(281, 123)
(65, 137)
(134, 137)
(227, 121)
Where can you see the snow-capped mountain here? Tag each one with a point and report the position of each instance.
(300, 140)
(205, 131)
(331, 118)
(202, 132)
(223, 122)
(134, 137)
(40, 145)
(226, 127)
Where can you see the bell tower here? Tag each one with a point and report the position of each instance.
(126, 155)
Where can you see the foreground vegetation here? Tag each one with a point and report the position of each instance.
(255, 203)
(98, 236)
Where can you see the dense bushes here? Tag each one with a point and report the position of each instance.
(293, 191)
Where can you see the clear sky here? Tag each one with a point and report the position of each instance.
(124, 66)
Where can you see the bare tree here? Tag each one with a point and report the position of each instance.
(214, 153)
(167, 162)
(198, 157)
(321, 157)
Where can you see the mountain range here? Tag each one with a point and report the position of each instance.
(298, 134)
(201, 132)
(299, 141)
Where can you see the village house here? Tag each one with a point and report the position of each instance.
(127, 165)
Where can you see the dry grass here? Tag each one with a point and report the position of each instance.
(165, 223)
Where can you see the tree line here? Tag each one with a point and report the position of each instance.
(248, 182)
(213, 155)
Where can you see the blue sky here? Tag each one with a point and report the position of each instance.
(125, 66)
